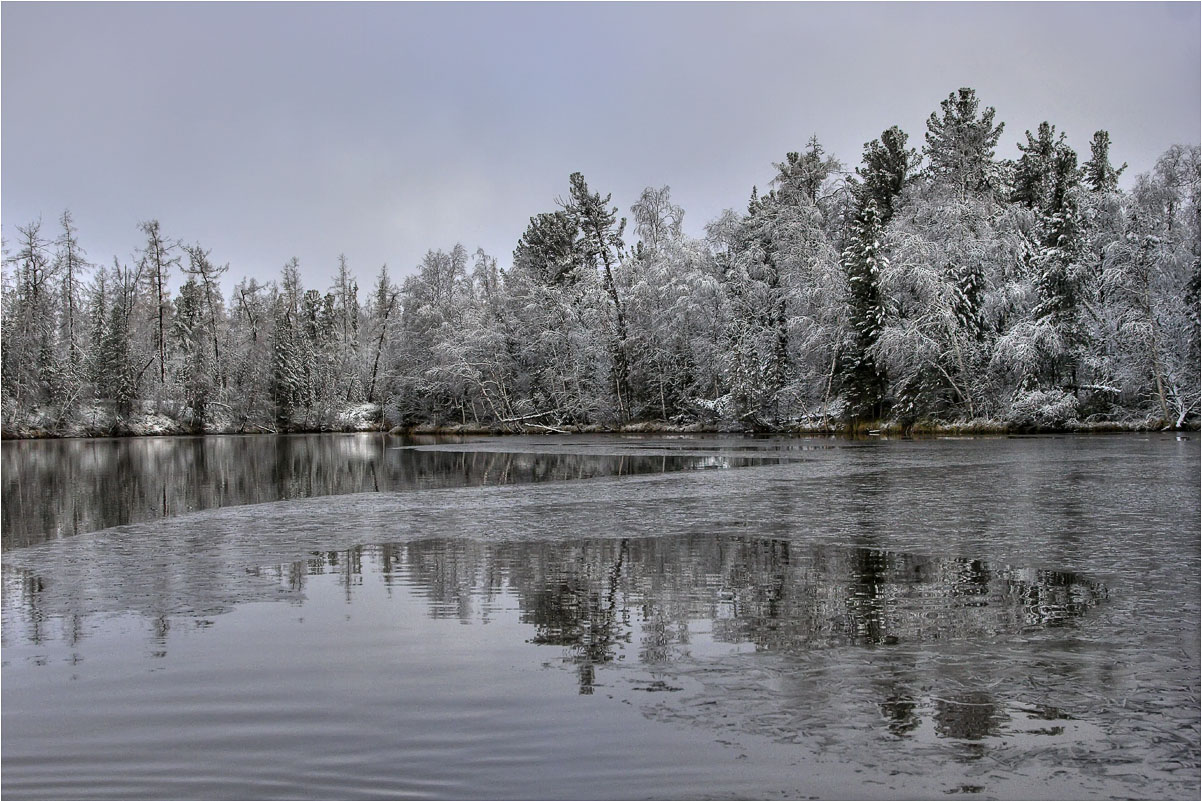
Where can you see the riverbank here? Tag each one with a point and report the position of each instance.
(368, 418)
(858, 429)
(148, 420)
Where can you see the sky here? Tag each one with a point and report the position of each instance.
(264, 131)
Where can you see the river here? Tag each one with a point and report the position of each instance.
(358, 616)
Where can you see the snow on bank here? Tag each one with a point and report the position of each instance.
(100, 419)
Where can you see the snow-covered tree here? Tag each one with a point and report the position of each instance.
(787, 297)
(886, 170)
(1099, 174)
(960, 145)
(674, 312)
(887, 167)
(600, 242)
(1034, 171)
(251, 345)
(949, 264)
(158, 256)
(194, 369)
(864, 382)
(1152, 278)
(71, 264)
(433, 303)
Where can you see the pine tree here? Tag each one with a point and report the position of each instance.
(289, 386)
(886, 169)
(865, 382)
(287, 370)
(548, 249)
(1098, 174)
(601, 245)
(119, 374)
(202, 268)
(960, 145)
(347, 314)
(31, 322)
(1062, 240)
(98, 307)
(71, 264)
(1033, 175)
(1056, 265)
(385, 301)
(195, 368)
(888, 166)
(803, 175)
(249, 352)
(156, 262)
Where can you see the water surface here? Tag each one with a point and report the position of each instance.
(993, 617)
(57, 488)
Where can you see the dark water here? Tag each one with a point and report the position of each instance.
(55, 488)
(994, 618)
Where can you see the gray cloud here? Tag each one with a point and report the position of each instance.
(381, 130)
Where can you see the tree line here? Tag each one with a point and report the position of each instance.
(933, 285)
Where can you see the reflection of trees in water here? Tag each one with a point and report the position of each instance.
(648, 600)
(900, 710)
(454, 575)
(65, 487)
(23, 592)
(582, 613)
(837, 596)
(968, 716)
(594, 597)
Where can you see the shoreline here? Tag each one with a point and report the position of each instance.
(856, 431)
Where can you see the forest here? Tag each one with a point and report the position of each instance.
(936, 287)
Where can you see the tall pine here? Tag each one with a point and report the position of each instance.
(887, 165)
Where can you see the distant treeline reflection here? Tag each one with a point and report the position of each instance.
(66, 487)
(598, 599)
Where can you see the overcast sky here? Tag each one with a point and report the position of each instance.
(381, 130)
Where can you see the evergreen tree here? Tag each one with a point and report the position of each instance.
(887, 166)
(1062, 241)
(384, 303)
(1053, 337)
(289, 383)
(346, 321)
(157, 259)
(119, 375)
(803, 175)
(98, 307)
(30, 372)
(1033, 174)
(601, 245)
(251, 341)
(195, 368)
(863, 260)
(886, 169)
(202, 268)
(548, 249)
(960, 145)
(1099, 174)
(71, 264)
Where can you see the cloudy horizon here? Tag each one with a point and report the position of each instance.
(267, 131)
